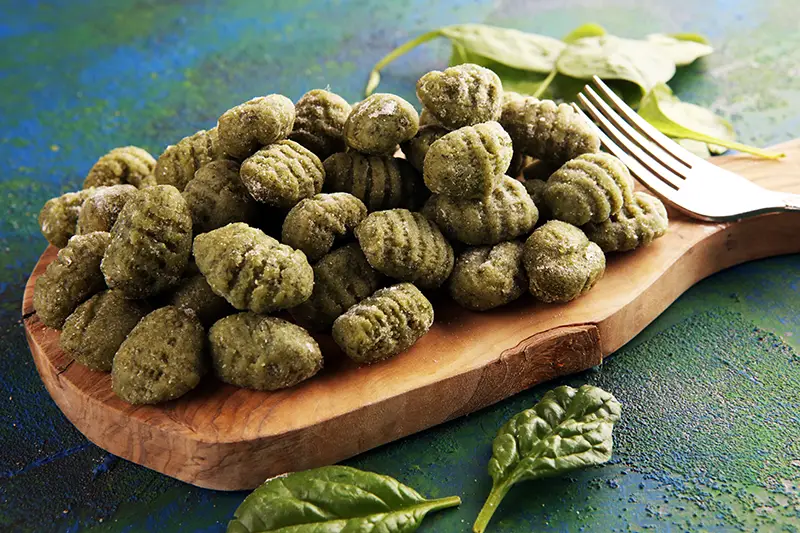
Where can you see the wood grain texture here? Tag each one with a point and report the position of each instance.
(226, 438)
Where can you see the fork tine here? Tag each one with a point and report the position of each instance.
(653, 150)
(647, 170)
(650, 132)
(642, 174)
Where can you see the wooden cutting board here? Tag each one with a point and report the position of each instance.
(223, 437)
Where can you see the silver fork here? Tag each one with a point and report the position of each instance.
(687, 182)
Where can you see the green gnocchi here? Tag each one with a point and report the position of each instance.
(549, 131)
(282, 174)
(383, 325)
(589, 188)
(506, 214)
(381, 182)
(256, 123)
(379, 123)
(561, 262)
(319, 122)
(314, 223)
(177, 165)
(468, 162)
(406, 246)
(637, 224)
(462, 95)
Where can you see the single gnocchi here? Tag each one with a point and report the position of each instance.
(381, 182)
(549, 131)
(314, 223)
(73, 277)
(177, 165)
(561, 262)
(216, 197)
(319, 122)
(379, 123)
(58, 218)
(637, 224)
(342, 278)
(468, 162)
(462, 95)
(486, 277)
(150, 243)
(507, 213)
(383, 325)
(252, 270)
(282, 174)
(161, 359)
(406, 246)
(101, 209)
(97, 328)
(262, 352)
(254, 124)
(128, 164)
(590, 188)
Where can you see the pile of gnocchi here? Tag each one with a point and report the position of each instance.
(286, 218)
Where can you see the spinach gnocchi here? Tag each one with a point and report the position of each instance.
(549, 131)
(637, 224)
(561, 262)
(468, 162)
(508, 212)
(168, 267)
(406, 246)
(128, 164)
(381, 182)
(589, 188)
(314, 223)
(462, 95)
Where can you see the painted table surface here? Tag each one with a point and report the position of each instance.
(710, 439)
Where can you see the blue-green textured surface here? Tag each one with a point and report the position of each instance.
(710, 435)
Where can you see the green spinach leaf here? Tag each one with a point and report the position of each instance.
(333, 499)
(568, 429)
(614, 58)
(682, 51)
(680, 120)
(513, 48)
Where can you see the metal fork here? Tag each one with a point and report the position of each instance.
(690, 184)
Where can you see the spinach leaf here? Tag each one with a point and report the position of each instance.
(681, 51)
(513, 48)
(568, 429)
(614, 58)
(585, 30)
(680, 120)
(333, 499)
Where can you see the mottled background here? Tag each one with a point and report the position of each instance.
(710, 439)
